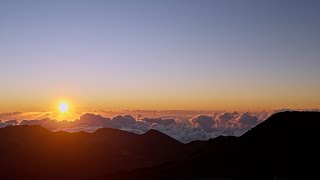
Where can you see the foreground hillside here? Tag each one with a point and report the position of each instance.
(284, 146)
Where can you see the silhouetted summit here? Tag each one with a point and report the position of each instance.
(285, 124)
(283, 146)
(159, 137)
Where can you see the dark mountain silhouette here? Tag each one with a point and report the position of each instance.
(35, 152)
(283, 147)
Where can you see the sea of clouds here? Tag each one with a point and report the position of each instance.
(183, 128)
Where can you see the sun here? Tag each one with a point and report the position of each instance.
(63, 107)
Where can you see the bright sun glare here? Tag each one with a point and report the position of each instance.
(63, 107)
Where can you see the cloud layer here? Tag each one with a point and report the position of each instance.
(200, 127)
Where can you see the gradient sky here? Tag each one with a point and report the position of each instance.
(165, 54)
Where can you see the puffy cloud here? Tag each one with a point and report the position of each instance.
(121, 121)
(185, 132)
(12, 122)
(2, 125)
(8, 123)
(205, 122)
(89, 119)
(225, 117)
(160, 121)
(182, 127)
(31, 122)
(248, 120)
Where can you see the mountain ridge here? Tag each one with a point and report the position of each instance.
(282, 146)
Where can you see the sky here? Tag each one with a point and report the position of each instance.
(168, 54)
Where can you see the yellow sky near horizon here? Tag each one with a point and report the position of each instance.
(197, 102)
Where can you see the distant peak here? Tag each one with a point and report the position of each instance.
(29, 129)
(114, 132)
(157, 137)
(153, 131)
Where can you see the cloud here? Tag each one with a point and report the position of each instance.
(24, 115)
(8, 123)
(10, 115)
(248, 120)
(205, 122)
(122, 121)
(182, 127)
(89, 119)
(226, 117)
(12, 122)
(159, 121)
(185, 132)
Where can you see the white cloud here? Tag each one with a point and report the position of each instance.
(227, 116)
(205, 122)
(123, 121)
(160, 121)
(199, 127)
(248, 120)
(92, 120)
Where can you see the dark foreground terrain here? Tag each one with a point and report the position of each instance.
(285, 146)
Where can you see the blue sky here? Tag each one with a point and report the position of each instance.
(160, 54)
